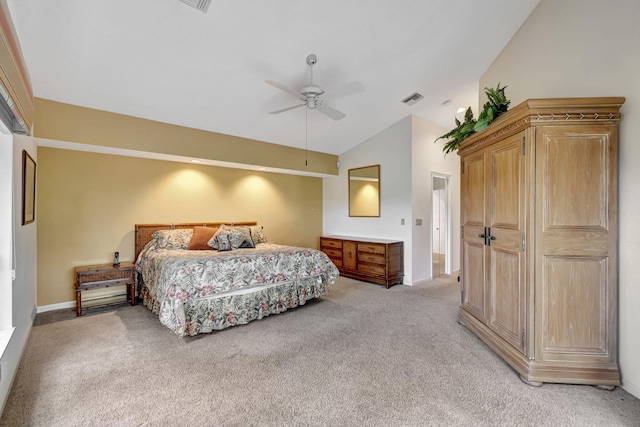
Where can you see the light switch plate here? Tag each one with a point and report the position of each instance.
(418, 221)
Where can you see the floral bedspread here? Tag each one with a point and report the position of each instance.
(199, 291)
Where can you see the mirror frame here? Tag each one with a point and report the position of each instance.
(349, 177)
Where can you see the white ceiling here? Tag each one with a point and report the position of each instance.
(165, 61)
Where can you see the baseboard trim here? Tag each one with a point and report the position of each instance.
(58, 306)
(430, 279)
(631, 388)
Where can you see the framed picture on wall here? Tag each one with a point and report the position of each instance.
(28, 188)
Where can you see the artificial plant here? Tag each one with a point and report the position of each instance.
(460, 132)
(496, 105)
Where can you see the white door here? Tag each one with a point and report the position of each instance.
(440, 225)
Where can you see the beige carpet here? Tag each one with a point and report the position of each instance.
(361, 356)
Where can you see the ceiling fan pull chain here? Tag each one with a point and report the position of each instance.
(306, 136)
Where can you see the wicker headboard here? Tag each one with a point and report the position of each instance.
(145, 231)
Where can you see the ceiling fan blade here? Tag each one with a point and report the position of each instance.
(287, 89)
(330, 111)
(347, 89)
(287, 109)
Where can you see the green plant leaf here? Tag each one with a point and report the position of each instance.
(496, 105)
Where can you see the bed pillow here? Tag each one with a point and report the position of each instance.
(201, 237)
(257, 234)
(246, 235)
(173, 239)
(223, 243)
(235, 237)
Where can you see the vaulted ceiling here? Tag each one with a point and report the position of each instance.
(164, 60)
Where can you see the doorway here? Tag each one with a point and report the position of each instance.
(440, 225)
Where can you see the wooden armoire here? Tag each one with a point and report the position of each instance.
(539, 239)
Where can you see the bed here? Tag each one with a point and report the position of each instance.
(197, 289)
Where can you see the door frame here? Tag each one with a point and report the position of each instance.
(447, 231)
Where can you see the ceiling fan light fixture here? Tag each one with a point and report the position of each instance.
(311, 102)
(309, 94)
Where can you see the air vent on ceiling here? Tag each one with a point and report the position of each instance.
(201, 5)
(412, 99)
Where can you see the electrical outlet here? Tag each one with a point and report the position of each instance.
(401, 221)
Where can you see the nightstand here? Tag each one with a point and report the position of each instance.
(104, 276)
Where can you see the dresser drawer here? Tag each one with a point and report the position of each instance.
(331, 244)
(371, 248)
(375, 269)
(99, 276)
(372, 258)
(333, 253)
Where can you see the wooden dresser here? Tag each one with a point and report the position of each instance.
(539, 239)
(373, 260)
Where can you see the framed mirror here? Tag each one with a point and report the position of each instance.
(364, 191)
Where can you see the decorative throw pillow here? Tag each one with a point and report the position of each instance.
(173, 239)
(235, 238)
(201, 237)
(223, 242)
(257, 234)
(246, 234)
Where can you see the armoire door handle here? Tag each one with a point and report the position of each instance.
(485, 235)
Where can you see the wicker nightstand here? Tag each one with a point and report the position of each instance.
(104, 276)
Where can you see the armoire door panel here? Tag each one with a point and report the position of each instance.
(575, 242)
(473, 188)
(574, 297)
(507, 291)
(507, 179)
(507, 278)
(474, 295)
(576, 179)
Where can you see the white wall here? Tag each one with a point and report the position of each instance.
(428, 157)
(583, 48)
(391, 149)
(6, 174)
(23, 291)
(407, 155)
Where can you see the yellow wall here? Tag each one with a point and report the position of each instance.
(87, 205)
(72, 123)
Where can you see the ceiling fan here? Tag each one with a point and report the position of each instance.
(310, 94)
